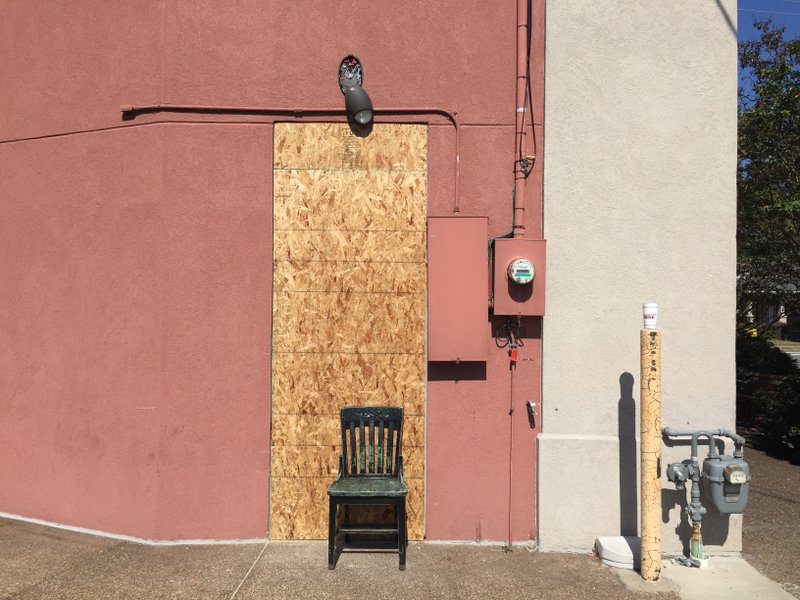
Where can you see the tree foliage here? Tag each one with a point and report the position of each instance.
(768, 396)
(768, 233)
(768, 237)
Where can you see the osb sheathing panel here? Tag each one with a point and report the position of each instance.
(324, 430)
(347, 322)
(307, 380)
(302, 276)
(313, 200)
(350, 246)
(349, 307)
(322, 461)
(320, 402)
(305, 146)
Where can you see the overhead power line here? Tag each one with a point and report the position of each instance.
(768, 12)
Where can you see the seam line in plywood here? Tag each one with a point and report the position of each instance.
(335, 170)
(392, 292)
(343, 261)
(349, 353)
(388, 262)
(350, 230)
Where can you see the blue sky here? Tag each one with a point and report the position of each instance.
(783, 12)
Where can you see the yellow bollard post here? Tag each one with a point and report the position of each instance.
(650, 432)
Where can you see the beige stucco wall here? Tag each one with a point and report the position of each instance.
(640, 205)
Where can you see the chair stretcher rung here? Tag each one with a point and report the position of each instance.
(367, 528)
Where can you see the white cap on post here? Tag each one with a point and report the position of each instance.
(650, 314)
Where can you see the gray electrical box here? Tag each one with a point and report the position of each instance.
(726, 482)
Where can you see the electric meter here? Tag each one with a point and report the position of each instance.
(521, 271)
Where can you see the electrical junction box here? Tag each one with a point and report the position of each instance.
(518, 277)
(458, 273)
(726, 482)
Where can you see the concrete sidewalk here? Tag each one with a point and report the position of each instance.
(38, 562)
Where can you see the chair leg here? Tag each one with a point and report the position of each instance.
(402, 533)
(347, 522)
(405, 525)
(331, 532)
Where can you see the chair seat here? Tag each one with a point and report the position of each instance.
(367, 487)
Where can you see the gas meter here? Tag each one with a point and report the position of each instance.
(726, 481)
(521, 271)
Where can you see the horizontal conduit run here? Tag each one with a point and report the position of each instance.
(130, 112)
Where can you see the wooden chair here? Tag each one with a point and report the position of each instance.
(371, 473)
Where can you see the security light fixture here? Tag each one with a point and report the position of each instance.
(356, 100)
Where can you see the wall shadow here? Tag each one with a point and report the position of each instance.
(670, 498)
(728, 19)
(628, 464)
(360, 130)
(528, 328)
(715, 526)
(452, 371)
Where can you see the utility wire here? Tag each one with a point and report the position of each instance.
(768, 12)
(528, 100)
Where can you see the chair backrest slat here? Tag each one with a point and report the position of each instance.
(353, 464)
(361, 453)
(376, 451)
(397, 452)
(344, 462)
(380, 446)
(390, 449)
(371, 446)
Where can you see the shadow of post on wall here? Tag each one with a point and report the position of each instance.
(628, 464)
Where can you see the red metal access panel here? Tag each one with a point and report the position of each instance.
(458, 274)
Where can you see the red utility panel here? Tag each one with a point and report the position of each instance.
(457, 288)
(526, 300)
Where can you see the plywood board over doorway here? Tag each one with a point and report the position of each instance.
(348, 306)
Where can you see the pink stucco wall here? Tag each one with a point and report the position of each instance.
(135, 256)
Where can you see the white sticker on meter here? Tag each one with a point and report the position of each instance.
(521, 271)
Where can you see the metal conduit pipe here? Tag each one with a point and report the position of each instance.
(738, 441)
(131, 112)
(520, 175)
(712, 444)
